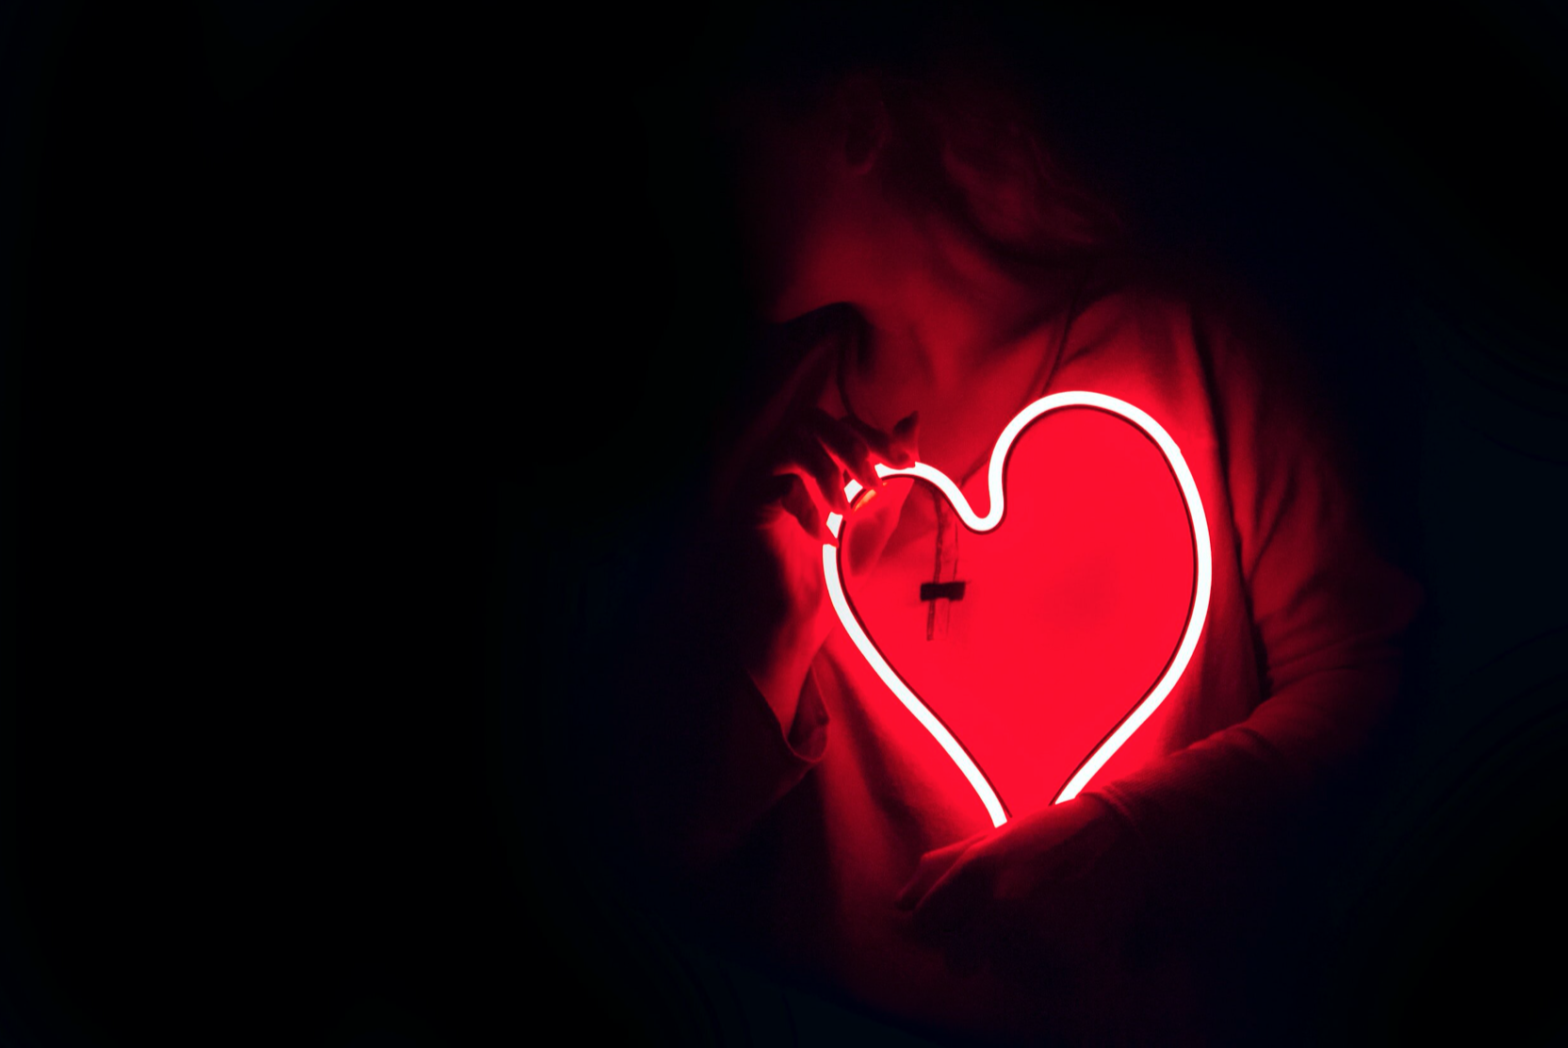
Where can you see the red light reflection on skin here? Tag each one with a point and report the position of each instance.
(1121, 568)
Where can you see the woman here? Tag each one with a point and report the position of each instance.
(932, 273)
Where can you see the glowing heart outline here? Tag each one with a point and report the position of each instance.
(1197, 613)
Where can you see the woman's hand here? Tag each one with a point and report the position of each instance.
(1056, 889)
(779, 611)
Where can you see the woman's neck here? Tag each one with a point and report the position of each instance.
(964, 397)
(933, 335)
(941, 308)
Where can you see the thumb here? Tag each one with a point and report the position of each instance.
(906, 435)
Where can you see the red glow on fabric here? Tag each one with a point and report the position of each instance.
(1074, 605)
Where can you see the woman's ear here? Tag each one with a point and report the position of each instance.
(865, 124)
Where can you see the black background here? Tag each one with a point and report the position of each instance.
(350, 351)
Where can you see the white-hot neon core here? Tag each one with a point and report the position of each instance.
(993, 516)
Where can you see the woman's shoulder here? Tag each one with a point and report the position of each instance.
(1132, 278)
(1156, 303)
(1145, 286)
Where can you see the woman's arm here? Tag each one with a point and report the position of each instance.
(708, 753)
(1191, 828)
(1327, 614)
(728, 716)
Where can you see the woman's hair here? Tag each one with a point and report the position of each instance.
(966, 125)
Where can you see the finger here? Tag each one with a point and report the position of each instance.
(906, 435)
(932, 865)
(957, 896)
(807, 510)
(771, 491)
(848, 448)
(789, 495)
(809, 459)
(887, 448)
(899, 448)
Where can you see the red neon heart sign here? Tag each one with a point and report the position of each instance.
(1173, 658)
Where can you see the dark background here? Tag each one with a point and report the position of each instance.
(356, 356)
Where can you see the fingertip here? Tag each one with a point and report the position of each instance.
(906, 431)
